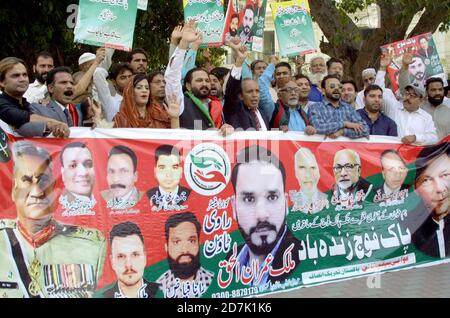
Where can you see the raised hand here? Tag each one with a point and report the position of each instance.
(176, 35)
(100, 55)
(235, 43)
(173, 109)
(274, 59)
(198, 41)
(385, 60)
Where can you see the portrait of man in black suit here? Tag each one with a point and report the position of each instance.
(350, 188)
(169, 195)
(393, 191)
(260, 208)
(431, 226)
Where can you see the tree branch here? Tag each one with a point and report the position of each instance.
(431, 18)
(330, 19)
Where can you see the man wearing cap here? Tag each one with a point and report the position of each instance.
(414, 125)
(436, 104)
(370, 77)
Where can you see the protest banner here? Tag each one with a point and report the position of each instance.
(246, 21)
(251, 221)
(293, 26)
(106, 23)
(210, 17)
(426, 61)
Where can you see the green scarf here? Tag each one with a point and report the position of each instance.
(202, 107)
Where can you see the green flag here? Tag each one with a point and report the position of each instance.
(293, 25)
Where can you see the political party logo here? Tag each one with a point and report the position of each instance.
(5, 154)
(207, 169)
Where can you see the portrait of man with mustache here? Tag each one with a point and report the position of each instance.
(35, 249)
(128, 260)
(121, 176)
(185, 277)
(260, 207)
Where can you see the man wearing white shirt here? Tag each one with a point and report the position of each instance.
(414, 125)
(37, 91)
(370, 76)
(120, 76)
(438, 106)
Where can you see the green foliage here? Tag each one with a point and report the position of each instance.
(31, 26)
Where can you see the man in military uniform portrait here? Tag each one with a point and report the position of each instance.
(128, 260)
(40, 257)
(185, 277)
(78, 175)
(121, 176)
(169, 195)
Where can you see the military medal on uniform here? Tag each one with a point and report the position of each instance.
(34, 271)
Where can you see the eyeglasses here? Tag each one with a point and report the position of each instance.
(408, 94)
(290, 90)
(347, 167)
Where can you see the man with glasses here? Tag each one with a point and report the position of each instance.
(333, 117)
(394, 170)
(288, 113)
(350, 189)
(414, 125)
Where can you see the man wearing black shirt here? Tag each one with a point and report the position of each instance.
(14, 108)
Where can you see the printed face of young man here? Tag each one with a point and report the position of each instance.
(183, 249)
(248, 21)
(121, 176)
(128, 259)
(434, 186)
(260, 205)
(234, 24)
(394, 171)
(417, 68)
(78, 172)
(168, 172)
(346, 170)
(33, 188)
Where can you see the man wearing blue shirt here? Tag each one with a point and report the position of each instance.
(379, 123)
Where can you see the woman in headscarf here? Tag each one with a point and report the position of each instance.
(136, 110)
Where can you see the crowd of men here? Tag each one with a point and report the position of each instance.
(251, 95)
